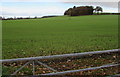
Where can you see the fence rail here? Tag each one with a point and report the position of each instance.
(60, 56)
(86, 69)
(35, 59)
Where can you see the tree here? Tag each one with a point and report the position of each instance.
(35, 17)
(98, 8)
(77, 11)
(74, 7)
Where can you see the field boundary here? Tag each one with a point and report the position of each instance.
(60, 56)
(35, 59)
(86, 69)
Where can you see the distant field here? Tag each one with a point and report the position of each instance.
(59, 35)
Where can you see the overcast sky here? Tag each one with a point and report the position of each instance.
(33, 8)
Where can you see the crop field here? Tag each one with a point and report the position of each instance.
(58, 35)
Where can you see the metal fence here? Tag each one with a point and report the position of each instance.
(36, 59)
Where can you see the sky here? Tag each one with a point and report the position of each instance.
(32, 8)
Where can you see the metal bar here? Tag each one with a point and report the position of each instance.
(86, 69)
(20, 68)
(117, 75)
(47, 66)
(33, 68)
(60, 56)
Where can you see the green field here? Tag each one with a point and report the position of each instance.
(59, 35)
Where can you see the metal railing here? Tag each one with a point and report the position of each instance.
(36, 59)
(86, 69)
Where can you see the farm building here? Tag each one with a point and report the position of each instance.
(77, 11)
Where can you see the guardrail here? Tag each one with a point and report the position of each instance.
(35, 59)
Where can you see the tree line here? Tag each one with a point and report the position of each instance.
(82, 10)
(16, 18)
(86, 10)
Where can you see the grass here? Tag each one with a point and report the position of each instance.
(59, 35)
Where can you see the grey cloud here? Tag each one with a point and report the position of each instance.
(89, 0)
(102, 4)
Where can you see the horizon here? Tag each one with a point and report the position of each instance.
(39, 9)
